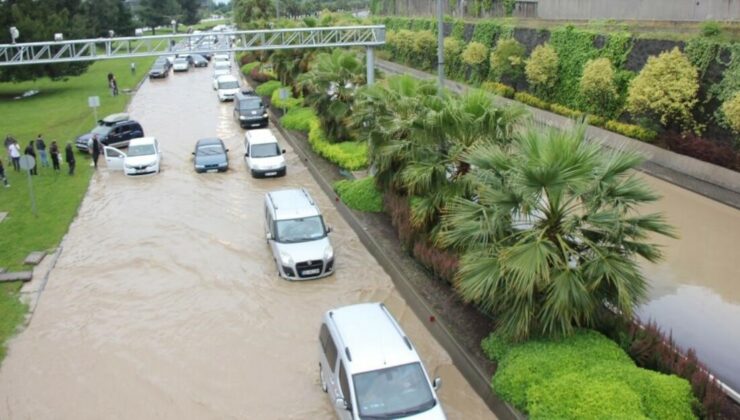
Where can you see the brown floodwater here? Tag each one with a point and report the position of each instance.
(694, 292)
(165, 302)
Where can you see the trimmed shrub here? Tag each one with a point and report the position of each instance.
(424, 49)
(258, 76)
(597, 87)
(498, 88)
(531, 100)
(495, 346)
(731, 112)
(299, 119)
(288, 103)
(247, 68)
(630, 130)
(542, 69)
(507, 59)
(596, 120)
(474, 54)
(565, 111)
(452, 50)
(350, 155)
(360, 194)
(266, 89)
(666, 88)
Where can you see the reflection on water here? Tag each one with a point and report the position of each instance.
(694, 291)
(166, 303)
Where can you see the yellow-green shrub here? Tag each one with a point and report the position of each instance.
(597, 87)
(288, 103)
(498, 88)
(542, 68)
(731, 111)
(247, 68)
(531, 100)
(629, 130)
(565, 111)
(453, 48)
(474, 54)
(507, 59)
(266, 89)
(299, 119)
(360, 194)
(424, 49)
(596, 120)
(350, 155)
(666, 87)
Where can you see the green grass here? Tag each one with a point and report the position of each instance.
(59, 112)
(204, 26)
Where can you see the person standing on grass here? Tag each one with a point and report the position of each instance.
(41, 148)
(8, 141)
(54, 151)
(96, 149)
(30, 152)
(15, 155)
(69, 157)
(2, 174)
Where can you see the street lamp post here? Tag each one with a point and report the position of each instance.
(174, 26)
(14, 34)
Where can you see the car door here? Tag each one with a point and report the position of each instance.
(247, 154)
(343, 391)
(122, 134)
(113, 158)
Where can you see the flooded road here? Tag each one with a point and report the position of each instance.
(165, 302)
(695, 291)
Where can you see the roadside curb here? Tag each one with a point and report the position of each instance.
(477, 376)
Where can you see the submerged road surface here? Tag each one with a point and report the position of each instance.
(165, 302)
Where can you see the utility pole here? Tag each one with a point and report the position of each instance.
(440, 45)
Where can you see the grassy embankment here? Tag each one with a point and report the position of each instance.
(59, 112)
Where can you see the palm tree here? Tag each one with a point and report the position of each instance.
(552, 233)
(331, 83)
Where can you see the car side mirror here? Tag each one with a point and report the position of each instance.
(437, 383)
(341, 404)
(246, 154)
(192, 153)
(328, 229)
(227, 150)
(283, 151)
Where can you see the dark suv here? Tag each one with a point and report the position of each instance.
(114, 130)
(249, 110)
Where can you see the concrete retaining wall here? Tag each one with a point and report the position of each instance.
(677, 10)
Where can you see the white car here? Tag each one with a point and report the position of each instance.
(263, 154)
(142, 157)
(226, 87)
(181, 64)
(222, 58)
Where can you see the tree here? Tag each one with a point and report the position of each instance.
(507, 60)
(542, 69)
(248, 12)
(731, 112)
(106, 15)
(153, 13)
(552, 233)
(190, 10)
(597, 87)
(666, 88)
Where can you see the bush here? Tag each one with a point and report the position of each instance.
(350, 155)
(288, 103)
(507, 59)
(709, 151)
(299, 119)
(452, 50)
(597, 87)
(498, 88)
(360, 194)
(630, 130)
(542, 69)
(247, 68)
(258, 76)
(731, 112)
(596, 120)
(565, 111)
(710, 28)
(531, 100)
(666, 87)
(443, 263)
(424, 49)
(474, 54)
(581, 376)
(495, 346)
(266, 89)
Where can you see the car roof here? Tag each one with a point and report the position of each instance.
(227, 78)
(260, 136)
(372, 338)
(208, 141)
(293, 203)
(115, 118)
(142, 141)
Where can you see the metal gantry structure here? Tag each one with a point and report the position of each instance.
(369, 37)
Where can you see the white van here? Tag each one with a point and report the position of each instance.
(226, 87)
(370, 369)
(263, 154)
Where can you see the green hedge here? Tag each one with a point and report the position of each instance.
(629, 130)
(288, 103)
(350, 155)
(247, 68)
(498, 88)
(298, 119)
(360, 194)
(531, 100)
(266, 89)
(541, 377)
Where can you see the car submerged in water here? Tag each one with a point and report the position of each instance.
(115, 130)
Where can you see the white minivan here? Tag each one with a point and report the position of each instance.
(370, 369)
(263, 154)
(226, 87)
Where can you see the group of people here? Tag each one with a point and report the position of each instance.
(37, 149)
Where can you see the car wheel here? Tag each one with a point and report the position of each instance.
(324, 387)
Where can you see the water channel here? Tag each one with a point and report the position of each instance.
(165, 302)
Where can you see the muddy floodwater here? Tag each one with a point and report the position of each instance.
(695, 291)
(165, 302)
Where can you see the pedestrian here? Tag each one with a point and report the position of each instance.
(54, 151)
(96, 149)
(133, 68)
(41, 148)
(8, 141)
(110, 77)
(2, 174)
(114, 86)
(32, 153)
(69, 157)
(15, 155)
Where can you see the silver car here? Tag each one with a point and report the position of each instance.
(297, 235)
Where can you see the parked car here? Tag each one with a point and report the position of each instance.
(249, 110)
(263, 154)
(181, 64)
(210, 155)
(370, 369)
(160, 69)
(222, 58)
(226, 87)
(142, 157)
(297, 235)
(115, 130)
(198, 60)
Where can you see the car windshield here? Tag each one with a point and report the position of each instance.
(221, 65)
(399, 391)
(140, 150)
(228, 84)
(102, 130)
(265, 150)
(210, 150)
(181, 61)
(255, 103)
(158, 66)
(300, 230)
